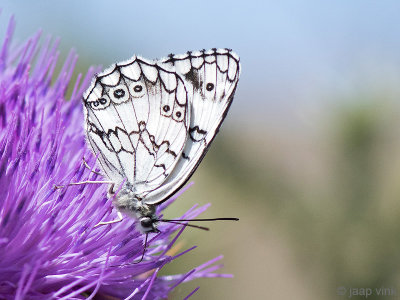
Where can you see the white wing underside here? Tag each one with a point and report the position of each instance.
(151, 122)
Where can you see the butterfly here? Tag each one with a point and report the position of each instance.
(150, 123)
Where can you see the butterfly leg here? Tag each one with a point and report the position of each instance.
(83, 182)
(88, 167)
(120, 218)
(111, 191)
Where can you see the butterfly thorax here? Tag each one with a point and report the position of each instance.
(128, 203)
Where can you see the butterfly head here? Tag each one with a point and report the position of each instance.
(148, 224)
(146, 215)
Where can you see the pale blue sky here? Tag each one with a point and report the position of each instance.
(294, 54)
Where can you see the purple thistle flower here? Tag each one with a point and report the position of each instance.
(49, 245)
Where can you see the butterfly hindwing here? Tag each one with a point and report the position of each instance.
(137, 120)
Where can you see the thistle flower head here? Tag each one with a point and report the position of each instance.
(49, 245)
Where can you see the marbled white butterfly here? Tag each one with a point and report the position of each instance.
(150, 123)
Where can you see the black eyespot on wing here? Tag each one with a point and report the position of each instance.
(210, 86)
(138, 88)
(119, 93)
(100, 103)
(166, 108)
(178, 114)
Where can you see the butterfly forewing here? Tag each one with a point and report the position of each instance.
(210, 78)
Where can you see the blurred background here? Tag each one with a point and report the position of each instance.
(309, 156)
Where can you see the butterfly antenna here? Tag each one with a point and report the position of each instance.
(182, 223)
(200, 220)
(197, 220)
(144, 250)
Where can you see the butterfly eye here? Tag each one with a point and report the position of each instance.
(146, 222)
(210, 86)
(119, 94)
(137, 90)
(100, 103)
